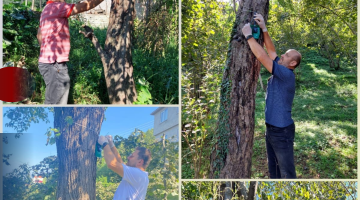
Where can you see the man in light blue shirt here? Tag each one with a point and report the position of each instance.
(135, 180)
(280, 127)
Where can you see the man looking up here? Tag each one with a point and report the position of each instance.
(280, 127)
(135, 181)
(54, 39)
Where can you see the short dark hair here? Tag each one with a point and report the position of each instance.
(144, 154)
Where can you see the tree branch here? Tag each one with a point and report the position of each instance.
(351, 29)
(347, 189)
(89, 33)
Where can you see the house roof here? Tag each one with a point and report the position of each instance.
(157, 110)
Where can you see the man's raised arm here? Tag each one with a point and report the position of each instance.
(267, 40)
(257, 50)
(113, 149)
(85, 6)
(110, 159)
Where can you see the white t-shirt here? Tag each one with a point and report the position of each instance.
(133, 185)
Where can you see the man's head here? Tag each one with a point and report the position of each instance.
(291, 59)
(140, 158)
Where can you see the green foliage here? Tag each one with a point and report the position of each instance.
(328, 26)
(200, 190)
(86, 72)
(52, 138)
(274, 190)
(21, 118)
(69, 120)
(204, 41)
(19, 30)
(15, 184)
(144, 95)
(156, 53)
(18, 184)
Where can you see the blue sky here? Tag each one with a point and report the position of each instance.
(30, 148)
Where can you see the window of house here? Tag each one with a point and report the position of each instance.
(163, 115)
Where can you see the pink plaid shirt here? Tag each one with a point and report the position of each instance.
(55, 35)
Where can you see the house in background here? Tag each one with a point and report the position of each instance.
(166, 121)
(105, 6)
(99, 16)
(38, 179)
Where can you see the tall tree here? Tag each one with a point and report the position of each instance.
(231, 157)
(76, 130)
(116, 55)
(79, 129)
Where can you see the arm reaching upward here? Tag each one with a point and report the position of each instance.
(110, 159)
(258, 50)
(112, 162)
(85, 6)
(267, 40)
(113, 149)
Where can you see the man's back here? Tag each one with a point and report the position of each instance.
(55, 43)
(280, 95)
(133, 185)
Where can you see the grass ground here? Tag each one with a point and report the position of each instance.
(325, 115)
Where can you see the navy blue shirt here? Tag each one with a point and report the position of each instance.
(279, 96)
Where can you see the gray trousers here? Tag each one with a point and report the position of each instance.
(57, 82)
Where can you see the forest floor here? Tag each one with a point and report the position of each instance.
(325, 115)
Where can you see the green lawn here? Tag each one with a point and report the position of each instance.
(324, 111)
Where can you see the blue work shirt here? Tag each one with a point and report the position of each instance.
(279, 96)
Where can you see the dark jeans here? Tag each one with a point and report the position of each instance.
(280, 151)
(57, 82)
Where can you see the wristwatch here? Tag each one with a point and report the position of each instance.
(248, 37)
(104, 144)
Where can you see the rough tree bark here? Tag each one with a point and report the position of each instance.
(231, 156)
(76, 151)
(238, 189)
(116, 55)
(228, 194)
(242, 191)
(252, 190)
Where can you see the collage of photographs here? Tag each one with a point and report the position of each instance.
(179, 99)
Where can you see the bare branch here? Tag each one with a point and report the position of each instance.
(89, 33)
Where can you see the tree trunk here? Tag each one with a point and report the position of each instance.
(242, 191)
(147, 10)
(252, 190)
(231, 156)
(116, 55)
(76, 151)
(228, 193)
(33, 5)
